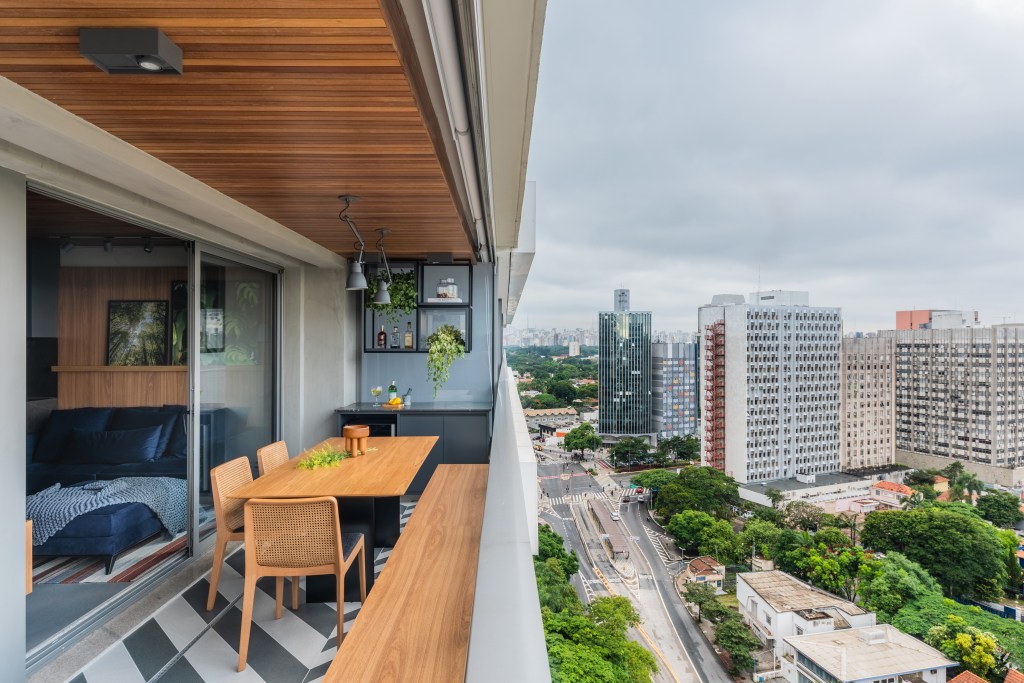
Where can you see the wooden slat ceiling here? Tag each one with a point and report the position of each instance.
(283, 106)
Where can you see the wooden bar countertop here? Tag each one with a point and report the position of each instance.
(386, 470)
(414, 626)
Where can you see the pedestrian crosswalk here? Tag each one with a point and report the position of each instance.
(576, 498)
(656, 541)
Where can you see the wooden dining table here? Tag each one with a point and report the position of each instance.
(368, 488)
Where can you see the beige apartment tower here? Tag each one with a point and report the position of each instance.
(867, 433)
(960, 395)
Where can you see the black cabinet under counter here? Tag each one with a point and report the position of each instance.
(463, 431)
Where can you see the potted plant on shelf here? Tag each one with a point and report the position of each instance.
(402, 290)
(443, 347)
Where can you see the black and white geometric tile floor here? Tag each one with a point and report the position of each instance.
(183, 643)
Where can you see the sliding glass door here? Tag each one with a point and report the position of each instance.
(236, 369)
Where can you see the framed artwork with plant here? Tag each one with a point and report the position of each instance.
(402, 291)
(137, 333)
(178, 326)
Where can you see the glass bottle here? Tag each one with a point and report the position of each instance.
(394, 338)
(382, 338)
(408, 335)
(392, 390)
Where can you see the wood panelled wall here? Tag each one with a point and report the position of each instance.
(83, 376)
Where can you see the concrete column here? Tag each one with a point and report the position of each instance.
(13, 295)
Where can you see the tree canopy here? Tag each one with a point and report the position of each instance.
(630, 450)
(686, 527)
(959, 550)
(897, 581)
(582, 438)
(975, 649)
(1002, 508)
(681, 447)
(700, 488)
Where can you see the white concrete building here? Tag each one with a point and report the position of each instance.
(868, 420)
(776, 606)
(960, 395)
(875, 654)
(770, 381)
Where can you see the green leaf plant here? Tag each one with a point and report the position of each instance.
(443, 347)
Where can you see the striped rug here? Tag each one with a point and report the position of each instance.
(183, 643)
(135, 563)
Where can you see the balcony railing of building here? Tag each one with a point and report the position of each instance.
(507, 635)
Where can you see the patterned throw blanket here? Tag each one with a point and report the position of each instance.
(52, 509)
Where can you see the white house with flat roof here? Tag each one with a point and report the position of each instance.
(872, 653)
(775, 606)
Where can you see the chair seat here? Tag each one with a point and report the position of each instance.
(349, 543)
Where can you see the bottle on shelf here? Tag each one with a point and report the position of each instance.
(382, 338)
(408, 335)
(392, 390)
(394, 338)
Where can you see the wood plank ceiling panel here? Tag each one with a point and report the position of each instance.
(283, 106)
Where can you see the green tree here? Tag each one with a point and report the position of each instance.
(587, 392)
(553, 590)
(841, 570)
(582, 439)
(735, 638)
(699, 594)
(700, 488)
(563, 390)
(719, 540)
(1014, 576)
(687, 526)
(832, 538)
(959, 550)
(1001, 508)
(629, 449)
(542, 401)
(681, 447)
(759, 535)
(775, 496)
(976, 650)
(897, 581)
(788, 549)
(551, 545)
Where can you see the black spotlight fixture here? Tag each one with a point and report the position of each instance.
(147, 246)
(130, 50)
(66, 245)
(108, 244)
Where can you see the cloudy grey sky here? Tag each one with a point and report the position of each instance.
(868, 151)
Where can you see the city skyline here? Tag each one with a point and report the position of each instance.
(880, 175)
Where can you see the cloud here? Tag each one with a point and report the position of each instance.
(867, 152)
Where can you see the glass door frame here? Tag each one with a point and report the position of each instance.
(199, 250)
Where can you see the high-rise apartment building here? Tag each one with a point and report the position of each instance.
(624, 369)
(674, 386)
(868, 419)
(960, 395)
(770, 376)
(574, 347)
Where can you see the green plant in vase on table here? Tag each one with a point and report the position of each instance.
(443, 347)
(325, 456)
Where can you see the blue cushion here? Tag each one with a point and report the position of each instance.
(30, 445)
(114, 447)
(137, 418)
(177, 447)
(58, 428)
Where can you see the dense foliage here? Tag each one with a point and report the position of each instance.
(586, 643)
(681, 447)
(896, 582)
(962, 552)
(630, 450)
(582, 438)
(700, 488)
(920, 616)
(1002, 508)
(975, 649)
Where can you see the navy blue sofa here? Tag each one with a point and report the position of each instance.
(84, 444)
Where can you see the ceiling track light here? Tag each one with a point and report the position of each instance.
(108, 244)
(147, 246)
(130, 50)
(356, 279)
(66, 245)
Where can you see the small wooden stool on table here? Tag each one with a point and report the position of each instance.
(355, 438)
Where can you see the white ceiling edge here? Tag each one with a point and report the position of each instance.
(510, 43)
(56, 149)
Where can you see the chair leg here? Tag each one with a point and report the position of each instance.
(278, 597)
(341, 605)
(218, 560)
(295, 592)
(248, 597)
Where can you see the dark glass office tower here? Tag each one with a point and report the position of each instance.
(625, 369)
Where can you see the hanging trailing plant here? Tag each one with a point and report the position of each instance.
(443, 347)
(402, 291)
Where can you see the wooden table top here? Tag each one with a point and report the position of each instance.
(414, 626)
(386, 470)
